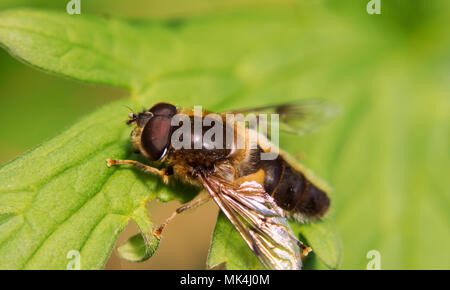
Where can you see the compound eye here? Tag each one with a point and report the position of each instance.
(163, 109)
(156, 137)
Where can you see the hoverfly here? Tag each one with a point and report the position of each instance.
(257, 196)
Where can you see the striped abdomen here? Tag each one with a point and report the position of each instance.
(292, 191)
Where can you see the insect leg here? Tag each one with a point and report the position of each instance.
(146, 168)
(190, 205)
(305, 249)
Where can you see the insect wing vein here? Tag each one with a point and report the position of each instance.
(300, 117)
(258, 220)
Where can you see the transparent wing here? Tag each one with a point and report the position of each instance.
(299, 117)
(259, 221)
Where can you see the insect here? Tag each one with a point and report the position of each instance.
(257, 196)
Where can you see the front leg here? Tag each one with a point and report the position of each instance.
(146, 168)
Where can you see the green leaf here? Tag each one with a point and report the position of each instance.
(386, 157)
(62, 44)
(323, 238)
(135, 249)
(142, 246)
(55, 188)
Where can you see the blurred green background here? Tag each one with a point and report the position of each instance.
(387, 156)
